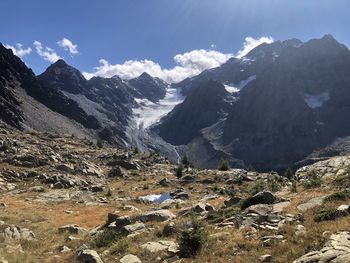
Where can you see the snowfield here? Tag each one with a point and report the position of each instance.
(316, 101)
(149, 113)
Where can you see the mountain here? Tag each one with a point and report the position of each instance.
(239, 72)
(148, 87)
(298, 102)
(203, 106)
(27, 101)
(61, 100)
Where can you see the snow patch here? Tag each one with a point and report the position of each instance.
(316, 101)
(232, 88)
(149, 113)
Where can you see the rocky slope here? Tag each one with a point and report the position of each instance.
(63, 199)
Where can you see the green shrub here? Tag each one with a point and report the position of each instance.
(192, 238)
(312, 180)
(342, 181)
(289, 174)
(99, 143)
(343, 195)
(179, 171)
(293, 187)
(106, 238)
(120, 247)
(272, 184)
(328, 214)
(224, 165)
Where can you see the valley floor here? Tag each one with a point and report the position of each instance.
(61, 197)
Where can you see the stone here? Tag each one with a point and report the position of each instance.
(88, 256)
(336, 250)
(266, 258)
(130, 229)
(64, 249)
(130, 258)
(158, 216)
(264, 197)
(72, 229)
(12, 232)
(164, 182)
(118, 171)
(155, 247)
(232, 201)
(314, 202)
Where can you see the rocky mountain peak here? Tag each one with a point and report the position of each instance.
(150, 88)
(64, 77)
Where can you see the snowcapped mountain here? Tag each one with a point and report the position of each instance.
(295, 100)
(270, 109)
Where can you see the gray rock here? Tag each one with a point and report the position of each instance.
(130, 259)
(158, 216)
(260, 198)
(12, 232)
(155, 247)
(266, 258)
(130, 229)
(89, 256)
(317, 201)
(336, 250)
(72, 229)
(118, 171)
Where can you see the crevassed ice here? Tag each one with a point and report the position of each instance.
(316, 101)
(149, 113)
(232, 88)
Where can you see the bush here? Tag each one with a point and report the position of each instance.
(179, 171)
(328, 214)
(271, 184)
(312, 180)
(186, 163)
(106, 238)
(342, 181)
(192, 238)
(289, 174)
(224, 165)
(99, 143)
(120, 247)
(293, 187)
(339, 196)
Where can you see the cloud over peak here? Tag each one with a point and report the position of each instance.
(46, 53)
(187, 64)
(18, 50)
(251, 43)
(67, 45)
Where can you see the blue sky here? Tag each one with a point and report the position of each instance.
(158, 30)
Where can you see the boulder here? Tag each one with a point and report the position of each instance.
(12, 232)
(155, 247)
(158, 216)
(264, 197)
(88, 256)
(118, 171)
(72, 229)
(130, 258)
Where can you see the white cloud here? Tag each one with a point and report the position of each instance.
(46, 53)
(19, 51)
(251, 43)
(66, 44)
(187, 65)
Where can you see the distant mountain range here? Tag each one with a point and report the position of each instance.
(282, 103)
